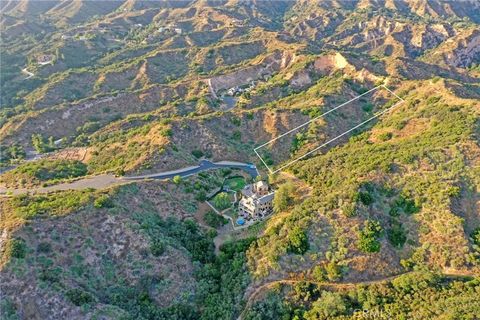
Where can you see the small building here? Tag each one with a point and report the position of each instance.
(45, 59)
(256, 201)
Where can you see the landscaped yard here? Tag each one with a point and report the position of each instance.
(222, 201)
(235, 183)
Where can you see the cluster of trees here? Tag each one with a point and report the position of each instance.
(221, 279)
(368, 237)
(284, 197)
(41, 144)
(417, 295)
(476, 236)
(16, 248)
(214, 220)
(222, 201)
(12, 152)
(331, 271)
(297, 241)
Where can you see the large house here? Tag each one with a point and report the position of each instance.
(256, 201)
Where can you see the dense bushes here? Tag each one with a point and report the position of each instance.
(297, 241)
(27, 207)
(197, 153)
(406, 205)
(331, 272)
(11, 152)
(157, 247)
(103, 201)
(368, 236)
(214, 220)
(78, 297)
(284, 196)
(16, 248)
(44, 171)
(222, 282)
(475, 235)
(417, 295)
(222, 201)
(397, 235)
(364, 197)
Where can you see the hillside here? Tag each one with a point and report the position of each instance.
(389, 92)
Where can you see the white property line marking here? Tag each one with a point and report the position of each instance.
(333, 139)
(316, 118)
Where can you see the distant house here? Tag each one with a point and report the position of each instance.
(45, 59)
(256, 201)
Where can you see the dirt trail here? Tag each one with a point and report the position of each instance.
(450, 273)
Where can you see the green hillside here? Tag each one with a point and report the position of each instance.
(381, 222)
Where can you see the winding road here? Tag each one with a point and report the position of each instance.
(108, 180)
(204, 165)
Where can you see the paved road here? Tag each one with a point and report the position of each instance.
(108, 180)
(204, 165)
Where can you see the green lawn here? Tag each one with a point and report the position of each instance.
(235, 183)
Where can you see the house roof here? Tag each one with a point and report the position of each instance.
(248, 192)
(261, 184)
(266, 198)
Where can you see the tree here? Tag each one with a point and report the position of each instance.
(222, 201)
(15, 151)
(201, 196)
(78, 297)
(17, 248)
(41, 145)
(476, 236)
(330, 304)
(333, 270)
(177, 179)
(297, 241)
(318, 273)
(197, 153)
(120, 172)
(157, 248)
(283, 197)
(364, 197)
(414, 281)
(396, 235)
(214, 220)
(368, 242)
(38, 143)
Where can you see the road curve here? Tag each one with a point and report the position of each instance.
(204, 165)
